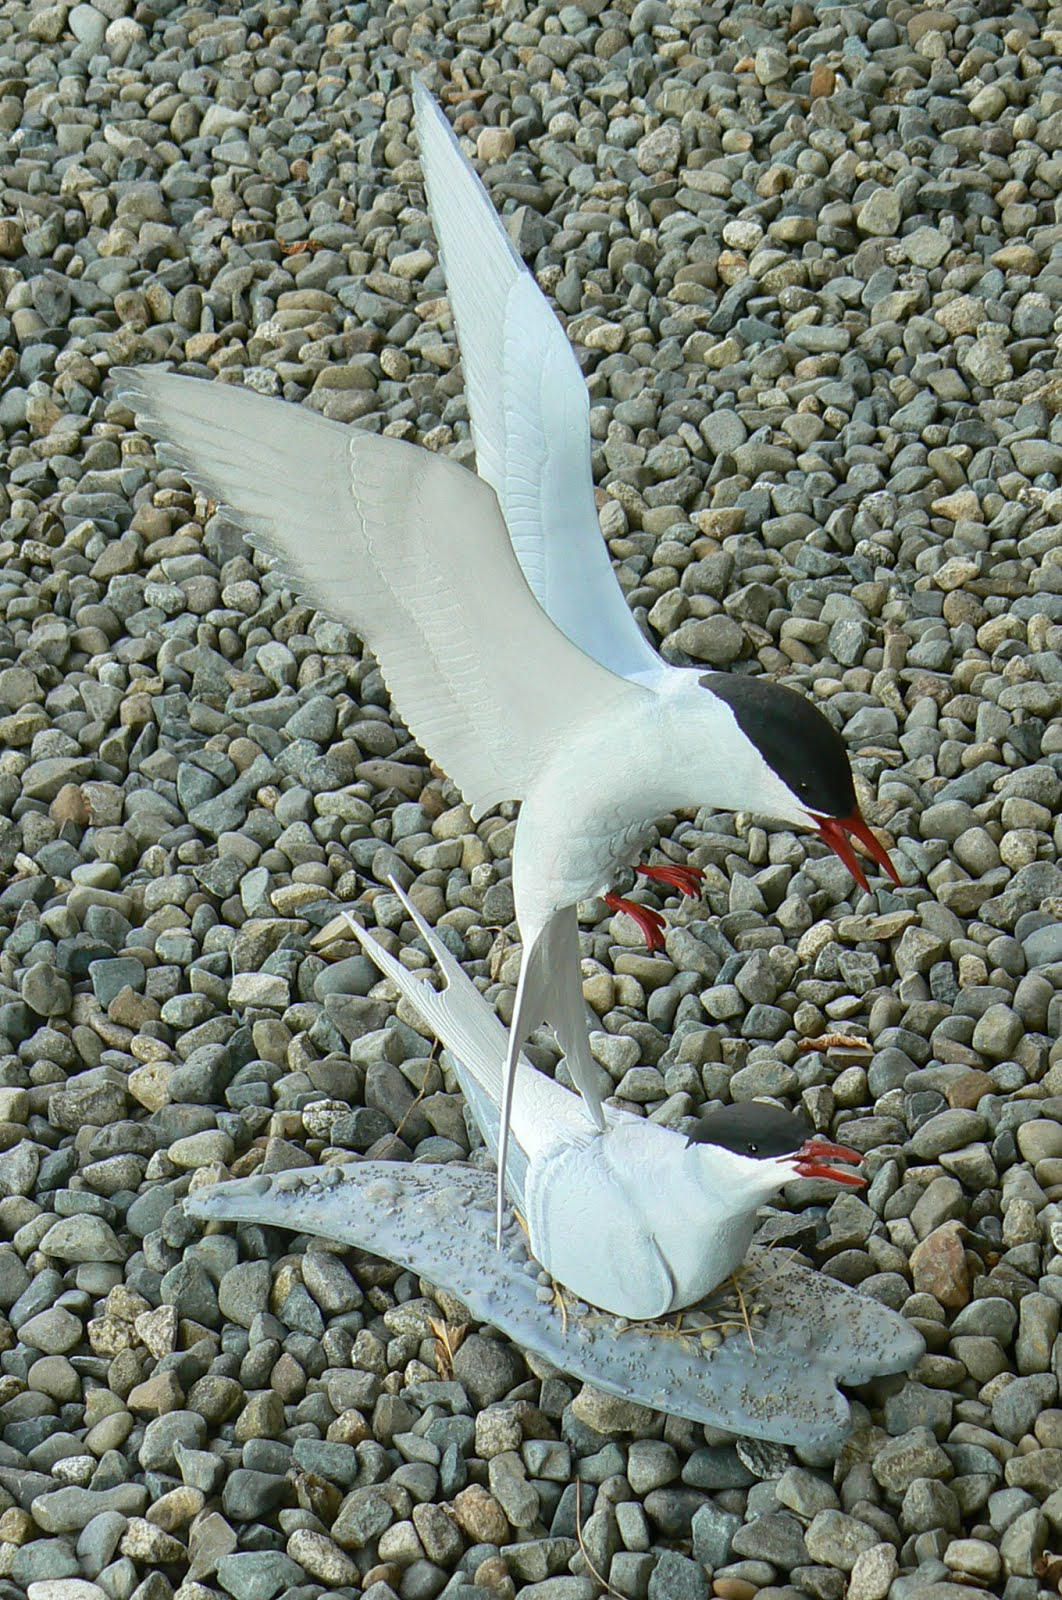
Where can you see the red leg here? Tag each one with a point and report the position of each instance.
(649, 921)
(687, 880)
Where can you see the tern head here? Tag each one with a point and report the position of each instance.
(801, 771)
(768, 1146)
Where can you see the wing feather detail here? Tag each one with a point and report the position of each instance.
(411, 552)
(529, 409)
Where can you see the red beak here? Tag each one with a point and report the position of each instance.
(813, 1158)
(835, 831)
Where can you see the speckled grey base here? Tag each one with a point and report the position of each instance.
(773, 1378)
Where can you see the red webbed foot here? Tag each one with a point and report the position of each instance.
(649, 921)
(687, 880)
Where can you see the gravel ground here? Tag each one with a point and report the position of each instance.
(811, 256)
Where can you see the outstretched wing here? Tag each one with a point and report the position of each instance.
(407, 548)
(529, 409)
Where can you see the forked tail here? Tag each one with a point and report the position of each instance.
(476, 1043)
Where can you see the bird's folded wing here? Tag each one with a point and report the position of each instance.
(408, 549)
(528, 406)
(588, 1229)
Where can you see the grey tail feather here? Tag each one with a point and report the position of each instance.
(550, 990)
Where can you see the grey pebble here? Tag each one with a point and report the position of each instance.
(1016, 1407)
(44, 1561)
(248, 1495)
(258, 1575)
(71, 1509)
(914, 1454)
(487, 1368)
(777, 1537)
(651, 1463)
(713, 1534)
(166, 1436)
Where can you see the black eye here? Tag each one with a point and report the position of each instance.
(753, 1149)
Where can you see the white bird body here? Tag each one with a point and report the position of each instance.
(489, 601)
(632, 1218)
(670, 748)
(637, 1221)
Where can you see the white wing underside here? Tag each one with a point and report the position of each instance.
(409, 550)
(529, 410)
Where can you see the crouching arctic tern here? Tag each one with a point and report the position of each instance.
(636, 1219)
(492, 609)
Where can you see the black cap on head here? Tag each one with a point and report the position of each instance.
(752, 1129)
(793, 737)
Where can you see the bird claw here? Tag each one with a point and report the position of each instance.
(649, 921)
(686, 880)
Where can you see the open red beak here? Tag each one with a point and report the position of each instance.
(813, 1159)
(835, 831)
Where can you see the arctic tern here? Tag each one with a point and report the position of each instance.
(637, 1219)
(490, 604)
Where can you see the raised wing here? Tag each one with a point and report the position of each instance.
(529, 409)
(407, 548)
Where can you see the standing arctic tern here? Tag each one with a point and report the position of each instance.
(637, 1219)
(490, 604)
